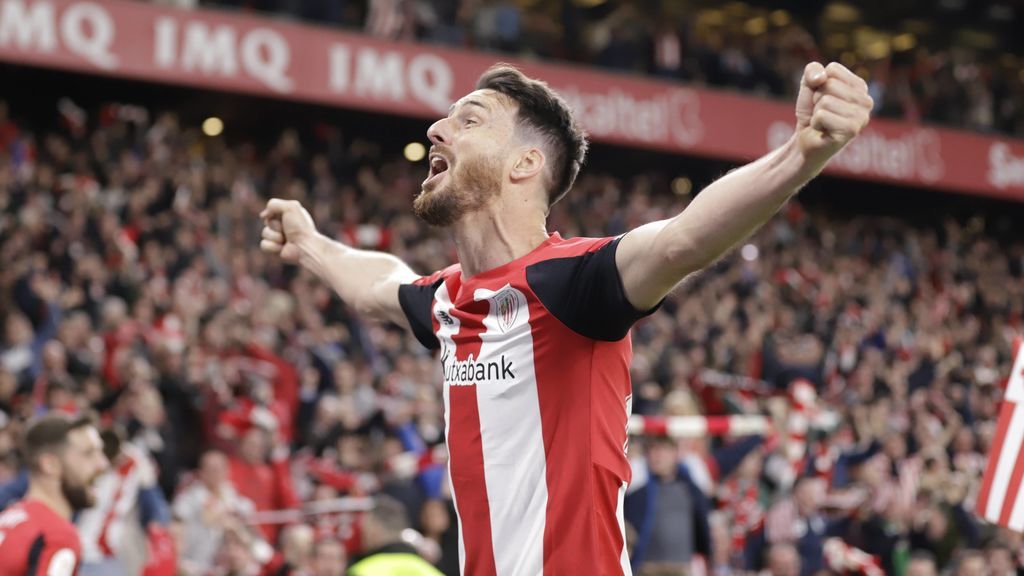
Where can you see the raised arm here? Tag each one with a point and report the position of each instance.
(366, 280)
(832, 108)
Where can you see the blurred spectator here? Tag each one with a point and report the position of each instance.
(971, 563)
(435, 523)
(1000, 560)
(784, 560)
(297, 542)
(128, 503)
(22, 351)
(261, 478)
(384, 539)
(329, 558)
(668, 511)
(921, 564)
(208, 508)
(800, 521)
(241, 555)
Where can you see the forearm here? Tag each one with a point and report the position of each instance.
(362, 278)
(733, 207)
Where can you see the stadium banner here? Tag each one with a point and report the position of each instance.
(269, 57)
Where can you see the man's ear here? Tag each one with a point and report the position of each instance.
(529, 164)
(50, 464)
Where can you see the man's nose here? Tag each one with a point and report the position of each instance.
(438, 132)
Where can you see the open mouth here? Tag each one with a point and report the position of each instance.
(438, 166)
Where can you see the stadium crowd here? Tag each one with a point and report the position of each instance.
(241, 399)
(935, 82)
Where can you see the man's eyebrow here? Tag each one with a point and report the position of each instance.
(469, 103)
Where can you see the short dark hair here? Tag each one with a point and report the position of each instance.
(390, 514)
(922, 555)
(113, 438)
(48, 434)
(545, 112)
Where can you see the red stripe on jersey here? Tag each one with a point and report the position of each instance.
(466, 448)
(568, 524)
(610, 385)
(1005, 414)
(609, 536)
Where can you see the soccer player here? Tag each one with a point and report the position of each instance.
(532, 327)
(64, 456)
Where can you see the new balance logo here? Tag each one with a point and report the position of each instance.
(470, 372)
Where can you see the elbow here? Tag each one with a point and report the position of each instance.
(372, 303)
(684, 256)
(365, 307)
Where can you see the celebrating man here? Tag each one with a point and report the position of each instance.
(532, 327)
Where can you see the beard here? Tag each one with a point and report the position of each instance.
(78, 495)
(463, 192)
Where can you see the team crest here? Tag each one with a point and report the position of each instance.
(508, 309)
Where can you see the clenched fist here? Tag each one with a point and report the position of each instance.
(286, 226)
(832, 108)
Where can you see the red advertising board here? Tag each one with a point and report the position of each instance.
(257, 55)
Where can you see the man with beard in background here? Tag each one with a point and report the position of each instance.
(64, 456)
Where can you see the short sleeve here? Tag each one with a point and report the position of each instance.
(585, 293)
(59, 562)
(417, 301)
(54, 556)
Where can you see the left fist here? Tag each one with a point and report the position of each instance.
(832, 108)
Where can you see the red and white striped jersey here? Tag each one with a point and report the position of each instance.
(536, 357)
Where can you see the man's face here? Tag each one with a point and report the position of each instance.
(254, 446)
(921, 567)
(973, 566)
(663, 457)
(1000, 560)
(468, 159)
(808, 495)
(783, 561)
(214, 470)
(329, 560)
(82, 462)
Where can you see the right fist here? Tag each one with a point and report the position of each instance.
(286, 225)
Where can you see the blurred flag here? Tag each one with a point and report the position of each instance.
(1001, 500)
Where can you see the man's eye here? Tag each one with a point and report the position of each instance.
(470, 121)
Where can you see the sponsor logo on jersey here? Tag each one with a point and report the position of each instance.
(470, 372)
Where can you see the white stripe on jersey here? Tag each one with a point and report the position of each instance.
(515, 466)
(624, 559)
(62, 563)
(443, 303)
